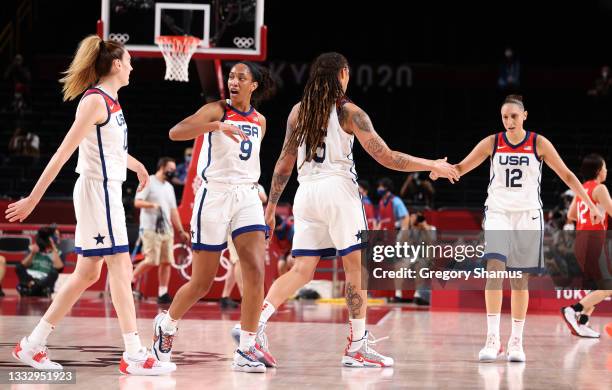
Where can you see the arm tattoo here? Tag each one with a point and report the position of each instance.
(279, 181)
(353, 300)
(400, 160)
(278, 186)
(362, 121)
(290, 128)
(375, 147)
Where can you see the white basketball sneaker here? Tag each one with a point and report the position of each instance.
(143, 363)
(162, 341)
(366, 356)
(570, 317)
(586, 331)
(262, 350)
(247, 361)
(515, 350)
(491, 350)
(34, 356)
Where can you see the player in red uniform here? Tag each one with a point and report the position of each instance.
(590, 246)
(281, 242)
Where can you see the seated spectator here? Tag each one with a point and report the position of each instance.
(38, 272)
(602, 85)
(418, 186)
(182, 168)
(2, 272)
(24, 146)
(392, 212)
(368, 206)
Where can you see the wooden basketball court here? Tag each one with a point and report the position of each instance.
(431, 349)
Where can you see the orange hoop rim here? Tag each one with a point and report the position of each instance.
(180, 43)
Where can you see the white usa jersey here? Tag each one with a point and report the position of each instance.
(222, 160)
(103, 152)
(334, 156)
(516, 175)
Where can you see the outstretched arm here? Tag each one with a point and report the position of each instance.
(205, 120)
(92, 110)
(480, 153)
(282, 170)
(476, 157)
(356, 121)
(549, 154)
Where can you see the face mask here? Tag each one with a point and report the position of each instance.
(55, 239)
(169, 175)
(187, 159)
(381, 191)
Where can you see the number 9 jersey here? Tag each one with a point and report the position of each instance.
(223, 160)
(516, 174)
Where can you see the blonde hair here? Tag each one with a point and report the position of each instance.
(92, 60)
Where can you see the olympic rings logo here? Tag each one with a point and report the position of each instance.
(243, 42)
(118, 37)
(184, 257)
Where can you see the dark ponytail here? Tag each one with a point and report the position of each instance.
(266, 87)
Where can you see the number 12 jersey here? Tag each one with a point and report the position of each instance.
(515, 175)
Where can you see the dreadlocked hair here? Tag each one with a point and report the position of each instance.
(321, 93)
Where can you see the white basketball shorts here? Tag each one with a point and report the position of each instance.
(328, 218)
(515, 238)
(221, 209)
(100, 229)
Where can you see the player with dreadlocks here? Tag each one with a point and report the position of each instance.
(328, 213)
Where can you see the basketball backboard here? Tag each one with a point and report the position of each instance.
(229, 29)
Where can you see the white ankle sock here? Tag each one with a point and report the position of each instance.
(132, 343)
(266, 312)
(493, 323)
(357, 333)
(517, 328)
(247, 340)
(168, 324)
(40, 333)
(162, 290)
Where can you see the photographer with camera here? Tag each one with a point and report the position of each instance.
(39, 270)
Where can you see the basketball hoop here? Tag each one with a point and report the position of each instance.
(177, 51)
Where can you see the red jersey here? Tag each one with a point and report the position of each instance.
(281, 242)
(385, 213)
(370, 212)
(583, 221)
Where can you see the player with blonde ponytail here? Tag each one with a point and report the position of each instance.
(99, 69)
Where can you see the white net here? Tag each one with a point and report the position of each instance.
(177, 51)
